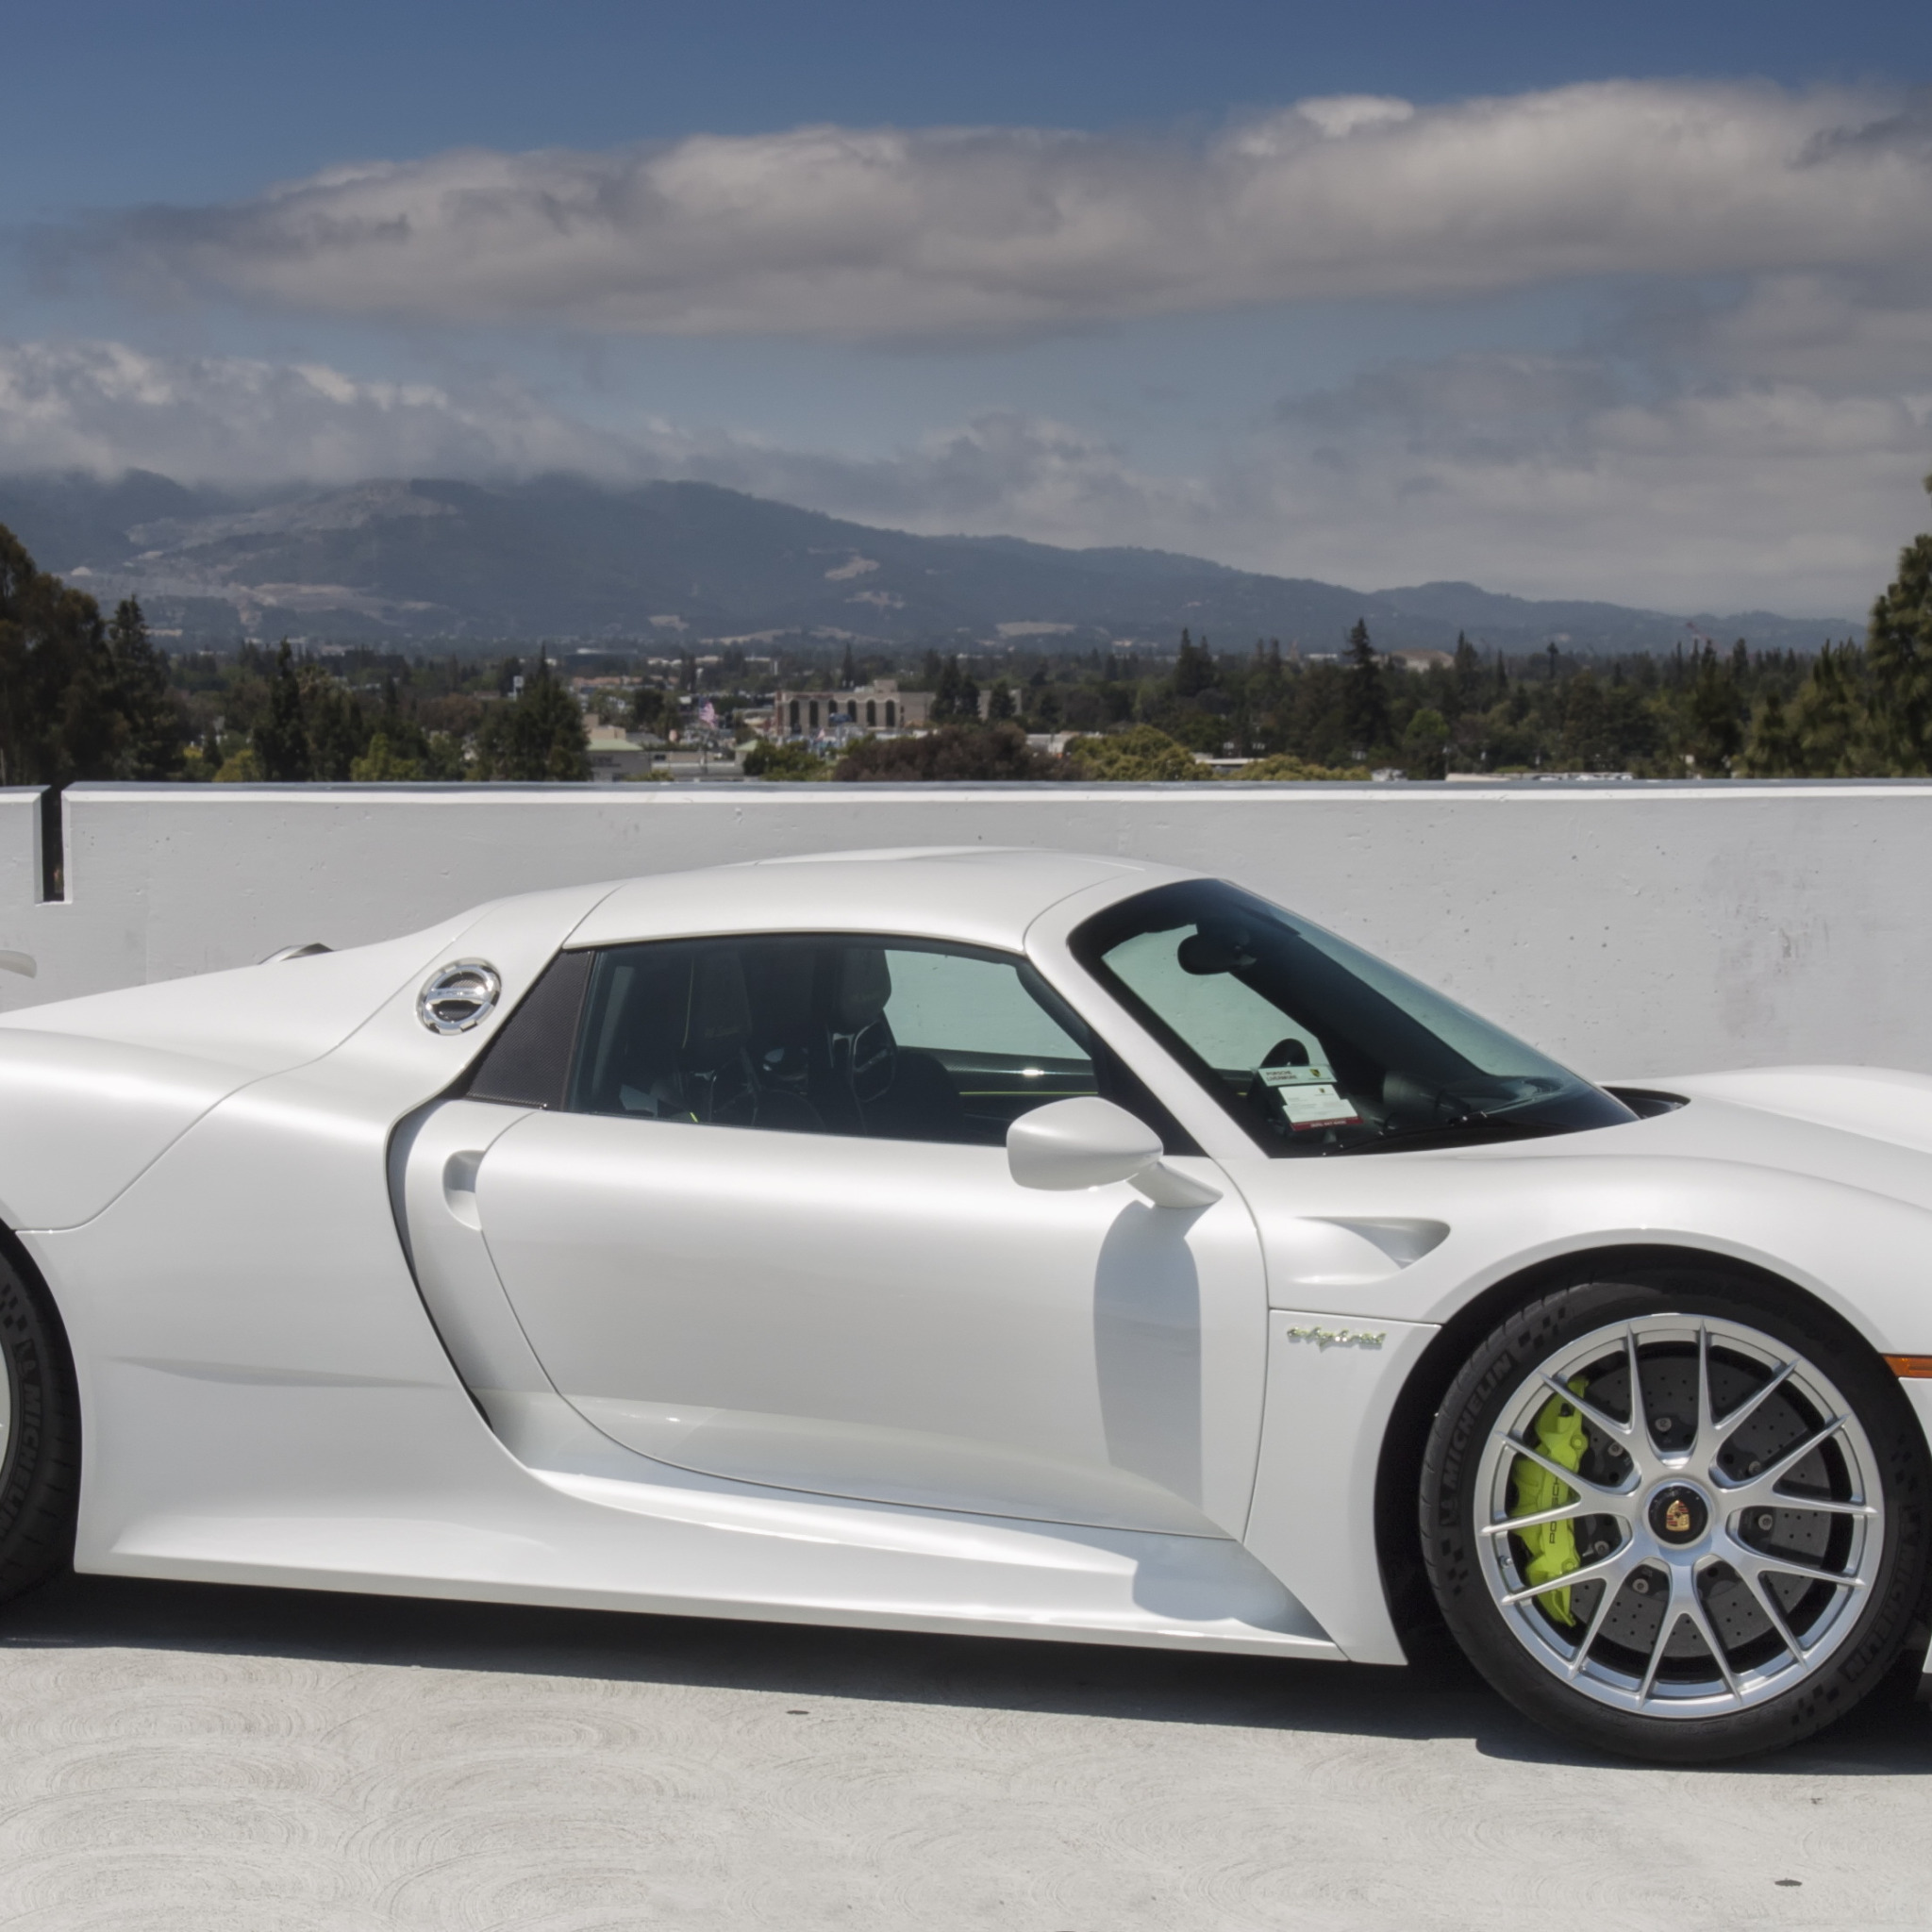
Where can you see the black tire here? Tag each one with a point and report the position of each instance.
(40, 1474)
(1497, 1379)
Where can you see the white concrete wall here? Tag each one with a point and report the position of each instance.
(1624, 928)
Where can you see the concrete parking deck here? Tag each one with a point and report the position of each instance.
(179, 1757)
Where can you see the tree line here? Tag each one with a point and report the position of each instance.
(87, 697)
(84, 696)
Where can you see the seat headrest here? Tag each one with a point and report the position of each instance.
(719, 1014)
(860, 988)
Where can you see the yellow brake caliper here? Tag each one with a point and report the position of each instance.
(1558, 1433)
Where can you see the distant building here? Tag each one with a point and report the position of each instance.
(617, 753)
(880, 707)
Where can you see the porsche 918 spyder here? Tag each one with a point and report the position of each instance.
(992, 1241)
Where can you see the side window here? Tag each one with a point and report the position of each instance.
(968, 1033)
(888, 1038)
(527, 1064)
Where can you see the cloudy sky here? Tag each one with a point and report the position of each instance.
(1631, 302)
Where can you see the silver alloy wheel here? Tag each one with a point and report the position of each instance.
(1724, 1510)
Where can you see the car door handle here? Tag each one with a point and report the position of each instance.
(459, 1187)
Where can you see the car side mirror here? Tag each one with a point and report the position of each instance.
(1090, 1142)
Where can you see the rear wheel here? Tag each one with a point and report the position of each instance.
(1681, 1517)
(39, 1432)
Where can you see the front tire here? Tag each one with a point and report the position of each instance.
(39, 1431)
(1682, 1517)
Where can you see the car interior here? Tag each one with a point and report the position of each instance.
(797, 1033)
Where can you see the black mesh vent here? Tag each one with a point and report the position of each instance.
(527, 1064)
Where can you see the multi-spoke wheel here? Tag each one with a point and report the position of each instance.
(1683, 1518)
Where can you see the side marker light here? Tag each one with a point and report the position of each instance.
(1911, 1367)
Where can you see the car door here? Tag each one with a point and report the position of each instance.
(771, 1236)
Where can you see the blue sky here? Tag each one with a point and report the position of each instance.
(1632, 301)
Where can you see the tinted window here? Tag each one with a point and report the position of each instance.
(1313, 1045)
(891, 1039)
(527, 1064)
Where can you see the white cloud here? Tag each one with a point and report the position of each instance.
(1857, 331)
(1761, 496)
(907, 234)
(1545, 476)
(106, 407)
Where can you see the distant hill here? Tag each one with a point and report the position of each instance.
(560, 557)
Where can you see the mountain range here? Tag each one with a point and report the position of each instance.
(421, 561)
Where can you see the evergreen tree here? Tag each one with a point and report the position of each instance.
(337, 735)
(1716, 712)
(654, 710)
(1194, 668)
(956, 700)
(945, 697)
(1828, 716)
(540, 735)
(1898, 656)
(1469, 666)
(151, 747)
(1774, 749)
(999, 703)
(1367, 705)
(281, 740)
(1425, 745)
(59, 718)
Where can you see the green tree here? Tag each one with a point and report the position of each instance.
(956, 699)
(787, 763)
(1829, 715)
(1140, 754)
(1194, 668)
(1775, 748)
(1716, 714)
(281, 741)
(1469, 668)
(954, 752)
(338, 733)
(999, 702)
(1425, 745)
(654, 710)
(60, 702)
(538, 735)
(1283, 768)
(1898, 660)
(1368, 698)
(151, 747)
(385, 762)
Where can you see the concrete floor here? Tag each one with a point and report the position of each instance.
(176, 1757)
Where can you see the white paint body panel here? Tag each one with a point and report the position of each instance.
(896, 1320)
(947, 1403)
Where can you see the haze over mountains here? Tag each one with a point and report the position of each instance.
(413, 562)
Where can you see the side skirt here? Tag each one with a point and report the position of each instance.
(548, 1511)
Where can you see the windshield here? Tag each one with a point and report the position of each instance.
(1317, 1047)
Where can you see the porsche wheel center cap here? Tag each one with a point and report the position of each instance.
(1678, 1514)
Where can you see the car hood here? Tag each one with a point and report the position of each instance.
(1860, 1126)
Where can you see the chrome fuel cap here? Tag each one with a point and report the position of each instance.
(457, 996)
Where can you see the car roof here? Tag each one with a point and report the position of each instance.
(976, 894)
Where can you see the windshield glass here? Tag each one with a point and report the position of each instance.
(1313, 1045)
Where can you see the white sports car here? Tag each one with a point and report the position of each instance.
(996, 1241)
